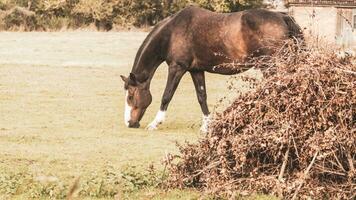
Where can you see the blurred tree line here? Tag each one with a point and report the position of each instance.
(47, 15)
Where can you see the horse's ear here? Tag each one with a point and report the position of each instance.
(124, 78)
(132, 79)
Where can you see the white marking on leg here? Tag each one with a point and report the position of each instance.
(128, 109)
(205, 123)
(202, 88)
(159, 119)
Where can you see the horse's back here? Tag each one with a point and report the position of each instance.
(201, 38)
(196, 32)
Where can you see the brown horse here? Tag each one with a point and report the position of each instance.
(196, 40)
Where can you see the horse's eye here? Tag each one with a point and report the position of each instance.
(130, 98)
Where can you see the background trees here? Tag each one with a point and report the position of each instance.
(104, 14)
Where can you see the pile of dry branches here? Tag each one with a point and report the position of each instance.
(293, 137)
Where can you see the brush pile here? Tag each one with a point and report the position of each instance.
(293, 137)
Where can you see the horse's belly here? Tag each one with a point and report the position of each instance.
(223, 56)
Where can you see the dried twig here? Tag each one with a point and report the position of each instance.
(285, 161)
(351, 163)
(306, 172)
(281, 173)
(346, 71)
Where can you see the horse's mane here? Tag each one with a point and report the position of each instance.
(150, 37)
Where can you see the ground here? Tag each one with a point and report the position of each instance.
(61, 105)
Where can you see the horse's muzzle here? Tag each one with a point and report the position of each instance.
(134, 124)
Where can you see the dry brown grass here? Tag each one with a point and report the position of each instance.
(294, 136)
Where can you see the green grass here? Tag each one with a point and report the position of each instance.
(61, 105)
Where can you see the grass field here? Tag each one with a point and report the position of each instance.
(61, 105)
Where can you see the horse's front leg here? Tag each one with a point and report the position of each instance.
(175, 73)
(200, 88)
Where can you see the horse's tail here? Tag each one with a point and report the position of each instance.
(295, 32)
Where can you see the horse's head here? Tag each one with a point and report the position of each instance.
(138, 98)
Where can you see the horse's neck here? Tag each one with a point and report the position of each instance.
(151, 53)
(147, 63)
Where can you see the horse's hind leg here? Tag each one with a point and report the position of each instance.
(200, 88)
(175, 73)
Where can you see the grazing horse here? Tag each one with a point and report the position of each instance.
(196, 40)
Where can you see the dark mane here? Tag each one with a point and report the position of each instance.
(149, 39)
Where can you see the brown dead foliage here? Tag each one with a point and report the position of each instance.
(293, 137)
